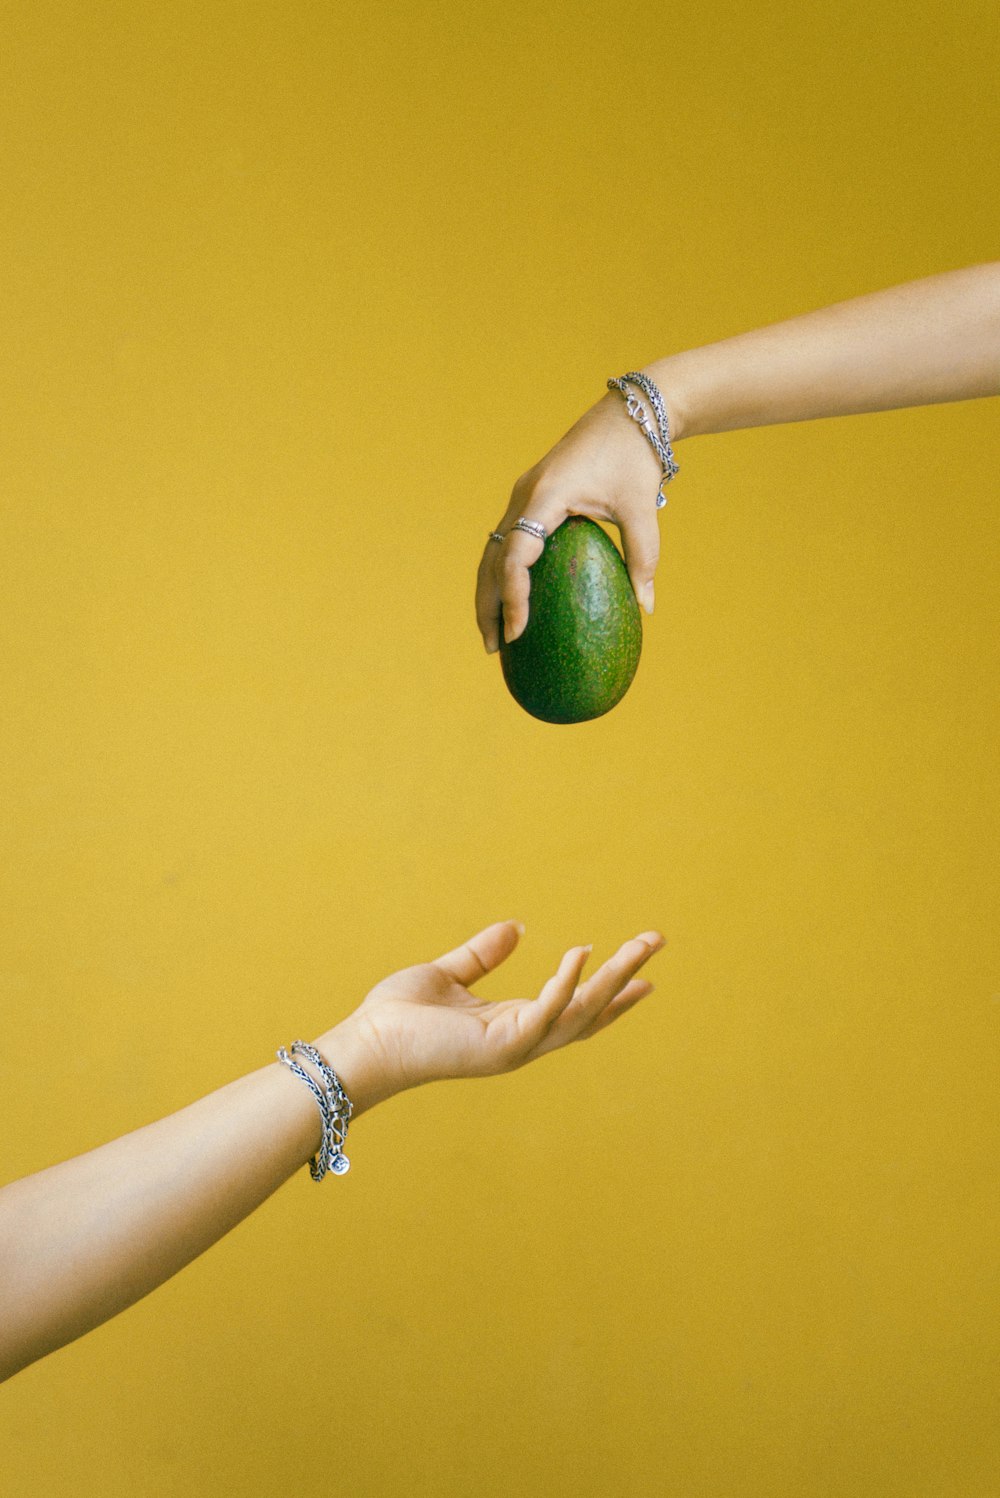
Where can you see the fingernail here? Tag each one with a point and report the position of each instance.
(519, 927)
(648, 598)
(492, 649)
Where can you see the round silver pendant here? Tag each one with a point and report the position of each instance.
(340, 1165)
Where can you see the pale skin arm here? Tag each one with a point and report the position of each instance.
(916, 344)
(82, 1240)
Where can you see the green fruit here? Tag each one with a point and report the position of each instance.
(580, 648)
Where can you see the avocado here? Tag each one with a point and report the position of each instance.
(580, 648)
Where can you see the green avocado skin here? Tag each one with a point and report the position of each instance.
(580, 648)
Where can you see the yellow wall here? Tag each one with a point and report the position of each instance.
(291, 293)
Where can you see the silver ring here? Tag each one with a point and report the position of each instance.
(530, 528)
(497, 536)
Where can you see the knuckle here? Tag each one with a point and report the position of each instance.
(529, 481)
(547, 486)
(537, 487)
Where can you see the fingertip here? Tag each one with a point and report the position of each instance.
(509, 928)
(486, 623)
(513, 621)
(644, 591)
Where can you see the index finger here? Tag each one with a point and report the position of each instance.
(488, 596)
(519, 553)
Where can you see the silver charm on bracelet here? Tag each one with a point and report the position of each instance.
(497, 536)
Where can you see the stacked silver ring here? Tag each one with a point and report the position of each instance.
(529, 527)
(335, 1110)
(658, 440)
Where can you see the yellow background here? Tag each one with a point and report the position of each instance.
(291, 293)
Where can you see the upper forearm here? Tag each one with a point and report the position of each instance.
(925, 341)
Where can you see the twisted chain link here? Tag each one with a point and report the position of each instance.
(659, 440)
(334, 1105)
(339, 1107)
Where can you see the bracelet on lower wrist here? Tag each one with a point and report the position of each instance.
(657, 435)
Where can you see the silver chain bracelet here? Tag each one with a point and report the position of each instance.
(658, 440)
(335, 1109)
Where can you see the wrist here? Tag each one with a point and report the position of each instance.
(668, 375)
(357, 1057)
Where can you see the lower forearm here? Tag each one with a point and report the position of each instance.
(925, 341)
(81, 1241)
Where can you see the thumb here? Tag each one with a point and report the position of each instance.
(481, 953)
(641, 540)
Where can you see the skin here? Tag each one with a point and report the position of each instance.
(82, 1240)
(920, 343)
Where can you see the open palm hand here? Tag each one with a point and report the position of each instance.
(424, 1023)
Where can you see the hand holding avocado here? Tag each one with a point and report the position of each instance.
(936, 339)
(602, 469)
